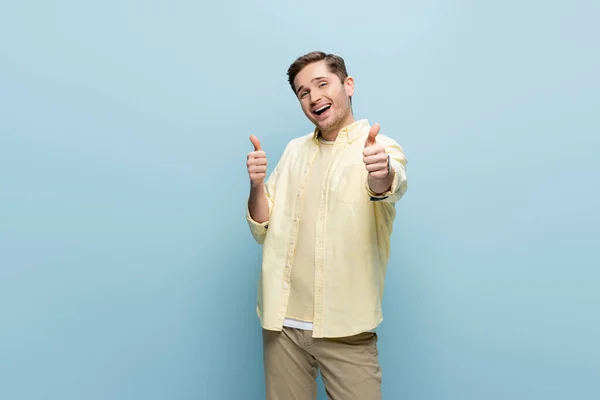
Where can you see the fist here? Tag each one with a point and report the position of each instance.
(256, 162)
(374, 156)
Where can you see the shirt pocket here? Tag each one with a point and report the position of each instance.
(348, 184)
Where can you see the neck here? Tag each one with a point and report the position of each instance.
(331, 133)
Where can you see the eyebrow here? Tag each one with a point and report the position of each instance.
(318, 78)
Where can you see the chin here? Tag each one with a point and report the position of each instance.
(325, 124)
(322, 126)
(330, 123)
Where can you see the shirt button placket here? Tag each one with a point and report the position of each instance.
(296, 220)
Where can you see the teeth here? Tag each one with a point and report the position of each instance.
(322, 108)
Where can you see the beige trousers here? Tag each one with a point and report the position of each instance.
(349, 366)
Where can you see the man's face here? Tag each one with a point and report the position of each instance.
(324, 99)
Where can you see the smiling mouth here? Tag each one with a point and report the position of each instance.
(321, 110)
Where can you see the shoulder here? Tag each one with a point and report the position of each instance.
(299, 143)
(302, 140)
(391, 146)
(383, 139)
(384, 136)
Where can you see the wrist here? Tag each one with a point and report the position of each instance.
(381, 185)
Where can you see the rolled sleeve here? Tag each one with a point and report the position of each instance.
(258, 230)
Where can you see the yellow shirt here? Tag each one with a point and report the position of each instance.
(352, 233)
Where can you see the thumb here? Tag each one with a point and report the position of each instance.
(255, 142)
(371, 139)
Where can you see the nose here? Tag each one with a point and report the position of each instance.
(314, 97)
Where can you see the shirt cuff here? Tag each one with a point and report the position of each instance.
(258, 230)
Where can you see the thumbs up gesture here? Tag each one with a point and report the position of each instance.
(256, 162)
(375, 158)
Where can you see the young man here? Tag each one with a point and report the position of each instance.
(324, 218)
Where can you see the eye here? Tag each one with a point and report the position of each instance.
(303, 94)
(322, 84)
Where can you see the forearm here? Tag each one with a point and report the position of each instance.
(258, 205)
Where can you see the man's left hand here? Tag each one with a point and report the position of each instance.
(375, 158)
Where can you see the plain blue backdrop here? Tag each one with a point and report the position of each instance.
(127, 270)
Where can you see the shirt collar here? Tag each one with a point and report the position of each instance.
(350, 132)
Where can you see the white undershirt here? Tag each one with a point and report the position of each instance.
(294, 323)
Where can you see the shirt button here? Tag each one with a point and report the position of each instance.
(285, 286)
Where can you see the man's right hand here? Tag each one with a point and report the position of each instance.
(256, 163)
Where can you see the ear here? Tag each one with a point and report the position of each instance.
(349, 86)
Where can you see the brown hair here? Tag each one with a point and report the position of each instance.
(335, 63)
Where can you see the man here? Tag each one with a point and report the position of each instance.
(324, 218)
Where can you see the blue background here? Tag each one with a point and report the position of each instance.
(127, 270)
